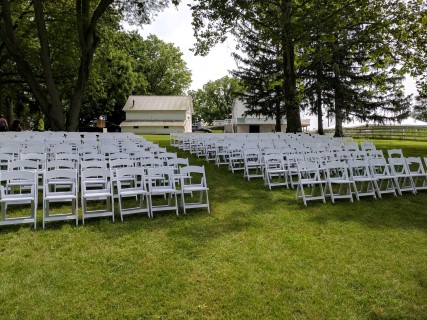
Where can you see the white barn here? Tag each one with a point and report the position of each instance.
(254, 124)
(157, 114)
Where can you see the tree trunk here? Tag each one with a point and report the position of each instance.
(278, 110)
(8, 37)
(56, 111)
(319, 111)
(338, 121)
(86, 28)
(79, 90)
(289, 77)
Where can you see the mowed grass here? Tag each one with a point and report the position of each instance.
(258, 255)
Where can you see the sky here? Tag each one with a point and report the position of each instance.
(173, 25)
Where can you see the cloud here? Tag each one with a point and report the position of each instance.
(174, 25)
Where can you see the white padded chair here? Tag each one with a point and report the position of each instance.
(339, 185)
(252, 163)
(162, 186)
(309, 178)
(365, 182)
(400, 172)
(417, 172)
(96, 186)
(131, 186)
(17, 188)
(381, 172)
(60, 186)
(194, 189)
(275, 172)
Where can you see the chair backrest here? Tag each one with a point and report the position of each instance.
(118, 155)
(95, 176)
(367, 146)
(395, 153)
(23, 165)
(151, 162)
(61, 164)
(120, 163)
(337, 170)
(376, 154)
(308, 170)
(398, 166)
(359, 168)
(197, 174)
(160, 175)
(58, 176)
(126, 174)
(415, 165)
(351, 146)
(92, 164)
(379, 167)
(273, 160)
(19, 178)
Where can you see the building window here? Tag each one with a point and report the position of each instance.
(166, 127)
(136, 127)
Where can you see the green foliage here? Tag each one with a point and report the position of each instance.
(129, 64)
(53, 43)
(341, 57)
(215, 100)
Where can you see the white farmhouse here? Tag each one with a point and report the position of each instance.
(254, 124)
(157, 114)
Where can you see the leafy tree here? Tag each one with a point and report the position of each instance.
(215, 100)
(349, 67)
(128, 64)
(30, 40)
(213, 19)
(260, 71)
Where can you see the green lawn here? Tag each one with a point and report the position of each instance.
(258, 255)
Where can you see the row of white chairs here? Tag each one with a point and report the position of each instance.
(343, 180)
(149, 190)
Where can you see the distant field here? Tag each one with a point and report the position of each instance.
(258, 255)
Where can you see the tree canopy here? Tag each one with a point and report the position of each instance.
(344, 57)
(39, 36)
(214, 101)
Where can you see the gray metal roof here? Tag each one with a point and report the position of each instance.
(156, 103)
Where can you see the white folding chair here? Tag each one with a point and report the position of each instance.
(17, 188)
(400, 172)
(60, 186)
(339, 185)
(275, 173)
(162, 186)
(177, 164)
(221, 153)
(252, 163)
(235, 157)
(194, 189)
(292, 161)
(131, 186)
(417, 173)
(309, 177)
(96, 187)
(381, 172)
(365, 182)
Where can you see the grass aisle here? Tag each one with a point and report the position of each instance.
(258, 255)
